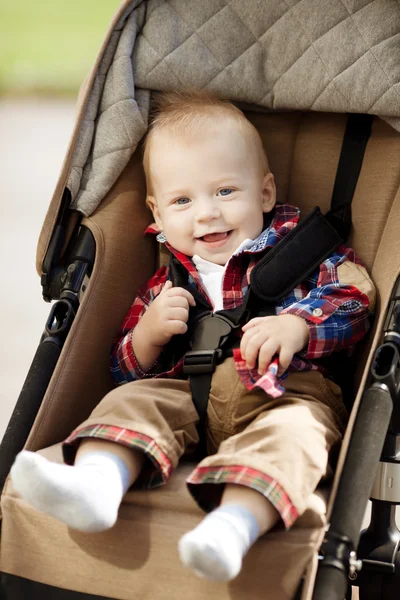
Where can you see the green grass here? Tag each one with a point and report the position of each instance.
(49, 46)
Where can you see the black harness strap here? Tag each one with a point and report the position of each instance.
(294, 258)
(211, 332)
(356, 136)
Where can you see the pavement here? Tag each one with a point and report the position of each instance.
(34, 135)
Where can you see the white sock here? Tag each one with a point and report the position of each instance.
(216, 547)
(85, 497)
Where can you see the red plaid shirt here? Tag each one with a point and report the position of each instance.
(337, 315)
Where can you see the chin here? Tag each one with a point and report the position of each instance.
(219, 260)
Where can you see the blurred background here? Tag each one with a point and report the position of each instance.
(46, 50)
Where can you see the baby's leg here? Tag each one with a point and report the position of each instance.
(263, 511)
(85, 496)
(280, 456)
(216, 547)
(130, 425)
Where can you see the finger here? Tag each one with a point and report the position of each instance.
(178, 302)
(266, 354)
(167, 286)
(252, 350)
(177, 327)
(253, 323)
(178, 291)
(177, 313)
(245, 340)
(285, 358)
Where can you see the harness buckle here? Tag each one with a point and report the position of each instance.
(197, 362)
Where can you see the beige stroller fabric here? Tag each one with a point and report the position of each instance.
(304, 149)
(138, 557)
(325, 55)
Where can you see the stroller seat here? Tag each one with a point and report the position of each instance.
(119, 563)
(138, 557)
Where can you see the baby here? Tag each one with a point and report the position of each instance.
(214, 204)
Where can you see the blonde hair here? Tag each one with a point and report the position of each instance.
(190, 112)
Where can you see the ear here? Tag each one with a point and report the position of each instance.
(150, 200)
(268, 193)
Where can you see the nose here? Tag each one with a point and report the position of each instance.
(207, 210)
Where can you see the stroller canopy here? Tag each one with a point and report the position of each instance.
(330, 55)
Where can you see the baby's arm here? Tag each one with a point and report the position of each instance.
(152, 318)
(166, 316)
(338, 308)
(336, 314)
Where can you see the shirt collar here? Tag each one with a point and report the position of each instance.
(209, 267)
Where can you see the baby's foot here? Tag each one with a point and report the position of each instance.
(84, 497)
(216, 547)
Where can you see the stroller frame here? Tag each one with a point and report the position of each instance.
(375, 566)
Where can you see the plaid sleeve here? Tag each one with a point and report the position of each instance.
(124, 366)
(337, 313)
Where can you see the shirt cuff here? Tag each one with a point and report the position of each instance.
(314, 318)
(152, 371)
(313, 315)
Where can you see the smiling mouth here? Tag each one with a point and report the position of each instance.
(215, 240)
(215, 237)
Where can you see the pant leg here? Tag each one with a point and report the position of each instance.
(279, 447)
(153, 416)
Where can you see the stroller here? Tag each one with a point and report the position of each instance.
(320, 82)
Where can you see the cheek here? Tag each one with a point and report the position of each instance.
(247, 214)
(176, 225)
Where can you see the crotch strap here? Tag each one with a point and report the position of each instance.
(211, 333)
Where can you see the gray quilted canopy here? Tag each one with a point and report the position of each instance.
(322, 55)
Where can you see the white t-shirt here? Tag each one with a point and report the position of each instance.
(212, 275)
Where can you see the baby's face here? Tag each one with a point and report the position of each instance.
(208, 193)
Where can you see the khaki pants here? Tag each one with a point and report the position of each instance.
(251, 437)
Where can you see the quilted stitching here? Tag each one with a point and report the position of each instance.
(312, 30)
(335, 55)
(196, 18)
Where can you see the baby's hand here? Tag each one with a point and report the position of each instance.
(167, 315)
(266, 336)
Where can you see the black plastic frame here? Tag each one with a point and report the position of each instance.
(377, 424)
(68, 282)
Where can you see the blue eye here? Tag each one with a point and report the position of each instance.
(181, 201)
(225, 192)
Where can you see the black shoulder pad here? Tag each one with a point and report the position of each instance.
(294, 258)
